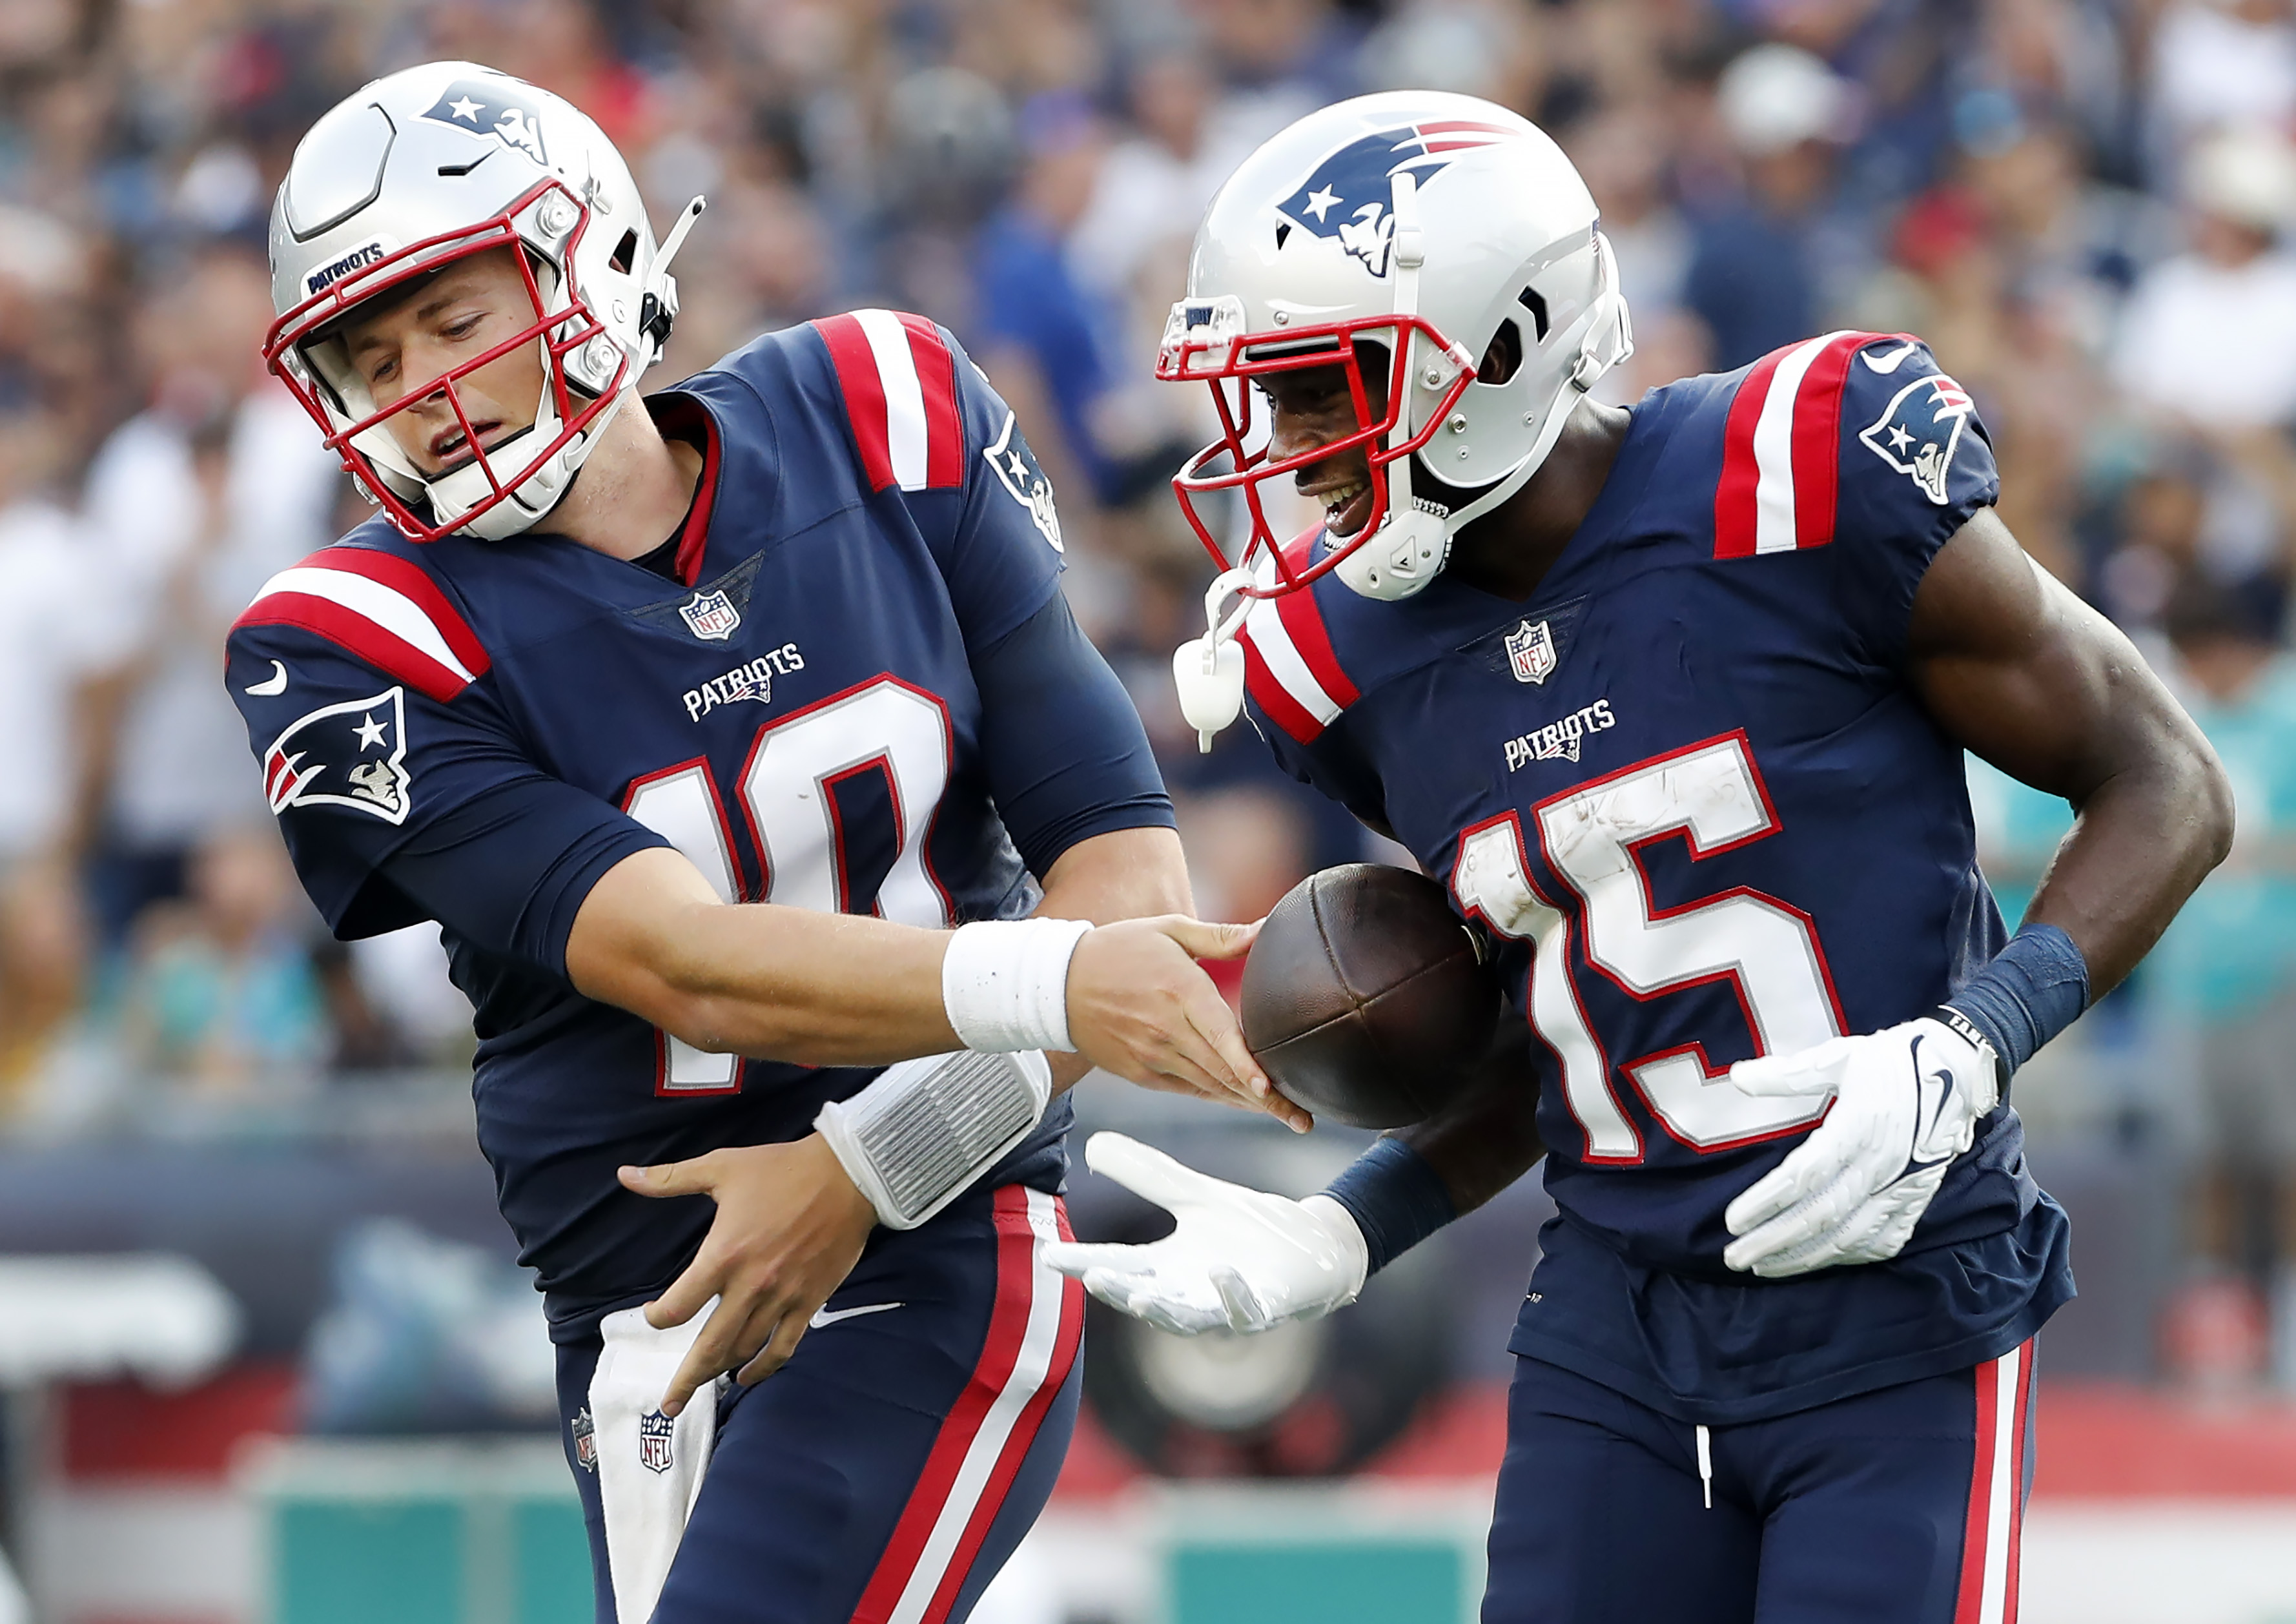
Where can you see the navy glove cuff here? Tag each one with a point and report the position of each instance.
(1396, 1197)
(2037, 988)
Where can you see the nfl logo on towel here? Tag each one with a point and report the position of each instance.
(656, 1432)
(711, 616)
(1530, 651)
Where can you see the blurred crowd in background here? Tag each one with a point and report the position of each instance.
(2084, 205)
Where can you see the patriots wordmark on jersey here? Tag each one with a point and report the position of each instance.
(473, 731)
(1690, 792)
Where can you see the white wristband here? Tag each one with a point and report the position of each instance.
(1005, 983)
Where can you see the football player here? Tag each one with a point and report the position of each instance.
(742, 744)
(1673, 699)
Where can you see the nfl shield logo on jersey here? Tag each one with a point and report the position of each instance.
(1920, 431)
(1530, 651)
(710, 616)
(657, 1435)
(585, 1440)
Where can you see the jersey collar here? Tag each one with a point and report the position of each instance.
(681, 416)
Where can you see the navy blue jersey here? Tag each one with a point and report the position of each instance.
(1690, 791)
(474, 732)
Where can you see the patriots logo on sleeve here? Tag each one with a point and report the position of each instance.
(1919, 430)
(1024, 481)
(353, 754)
(1350, 194)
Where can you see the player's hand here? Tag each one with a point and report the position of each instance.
(1906, 1101)
(1141, 1006)
(1239, 1259)
(790, 1227)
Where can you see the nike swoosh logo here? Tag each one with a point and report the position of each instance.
(823, 1318)
(1889, 363)
(275, 683)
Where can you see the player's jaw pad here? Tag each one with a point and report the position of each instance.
(427, 359)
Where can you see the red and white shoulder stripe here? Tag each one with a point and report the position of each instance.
(1034, 1330)
(380, 607)
(1781, 448)
(1992, 1539)
(1289, 664)
(898, 377)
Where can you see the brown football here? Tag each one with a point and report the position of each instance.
(1367, 998)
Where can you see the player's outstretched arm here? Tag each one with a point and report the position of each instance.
(849, 990)
(829, 989)
(2019, 670)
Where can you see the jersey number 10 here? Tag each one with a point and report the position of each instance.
(1765, 949)
(788, 790)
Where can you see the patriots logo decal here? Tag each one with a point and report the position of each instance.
(486, 108)
(1024, 481)
(1920, 430)
(349, 755)
(1349, 197)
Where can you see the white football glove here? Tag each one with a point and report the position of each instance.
(1239, 1259)
(1906, 1101)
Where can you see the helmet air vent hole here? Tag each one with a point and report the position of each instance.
(1503, 356)
(1282, 233)
(624, 252)
(1529, 299)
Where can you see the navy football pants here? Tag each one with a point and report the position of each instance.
(1900, 1507)
(887, 1471)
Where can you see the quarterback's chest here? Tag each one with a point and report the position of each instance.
(780, 664)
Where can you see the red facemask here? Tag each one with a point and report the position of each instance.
(561, 333)
(1229, 363)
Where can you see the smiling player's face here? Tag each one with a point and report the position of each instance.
(403, 350)
(1314, 407)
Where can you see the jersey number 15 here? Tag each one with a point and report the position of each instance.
(1765, 949)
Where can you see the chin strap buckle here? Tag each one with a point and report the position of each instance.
(1208, 671)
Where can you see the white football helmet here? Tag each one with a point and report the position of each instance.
(432, 165)
(1426, 222)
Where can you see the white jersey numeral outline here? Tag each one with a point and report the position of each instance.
(1711, 795)
(788, 789)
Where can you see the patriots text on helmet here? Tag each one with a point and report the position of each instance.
(358, 260)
